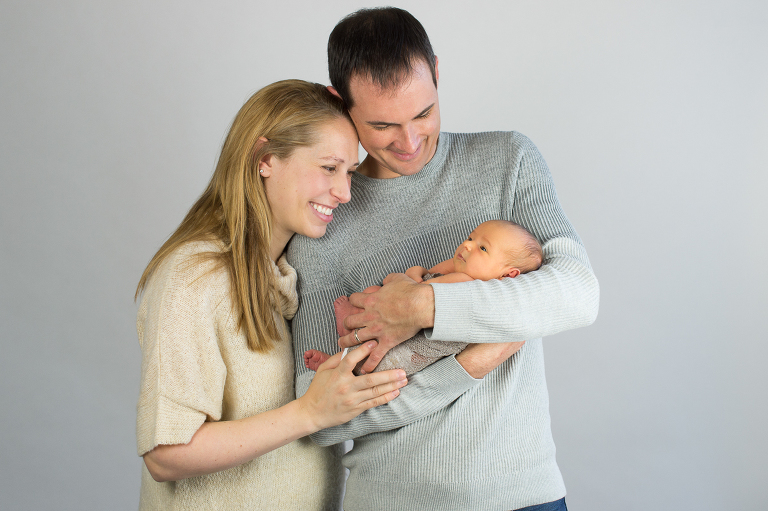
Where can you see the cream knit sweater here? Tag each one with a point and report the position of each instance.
(196, 367)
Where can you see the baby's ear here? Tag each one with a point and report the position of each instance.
(511, 273)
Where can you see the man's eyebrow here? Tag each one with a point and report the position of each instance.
(385, 123)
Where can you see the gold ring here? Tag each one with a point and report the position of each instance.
(356, 337)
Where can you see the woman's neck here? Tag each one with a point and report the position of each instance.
(277, 245)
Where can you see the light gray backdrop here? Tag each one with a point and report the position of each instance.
(653, 117)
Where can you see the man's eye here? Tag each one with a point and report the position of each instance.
(380, 128)
(483, 249)
(330, 168)
(424, 115)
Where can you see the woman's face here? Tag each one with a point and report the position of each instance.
(304, 189)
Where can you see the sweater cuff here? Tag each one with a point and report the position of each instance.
(451, 376)
(453, 312)
(170, 424)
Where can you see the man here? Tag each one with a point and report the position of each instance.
(462, 435)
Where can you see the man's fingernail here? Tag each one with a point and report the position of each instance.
(372, 344)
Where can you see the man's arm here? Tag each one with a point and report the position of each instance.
(426, 393)
(561, 295)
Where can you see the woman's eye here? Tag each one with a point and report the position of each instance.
(379, 128)
(330, 169)
(483, 249)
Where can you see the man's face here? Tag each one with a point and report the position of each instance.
(398, 128)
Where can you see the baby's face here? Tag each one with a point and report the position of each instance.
(484, 254)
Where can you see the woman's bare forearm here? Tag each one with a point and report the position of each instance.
(335, 396)
(218, 446)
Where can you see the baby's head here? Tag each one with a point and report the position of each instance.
(498, 249)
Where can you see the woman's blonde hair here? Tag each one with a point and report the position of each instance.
(234, 209)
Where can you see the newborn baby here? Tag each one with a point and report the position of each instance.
(496, 249)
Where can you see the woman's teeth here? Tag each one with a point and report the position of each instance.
(323, 209)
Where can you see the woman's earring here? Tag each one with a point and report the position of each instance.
(261, 171)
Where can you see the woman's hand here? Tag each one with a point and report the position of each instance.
(336, 395)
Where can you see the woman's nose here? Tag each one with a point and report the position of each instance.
(341, 190)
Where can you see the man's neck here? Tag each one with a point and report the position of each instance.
(373, 169)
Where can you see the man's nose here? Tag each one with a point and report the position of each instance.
(409, 140)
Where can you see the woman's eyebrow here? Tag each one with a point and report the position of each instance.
(332, 158)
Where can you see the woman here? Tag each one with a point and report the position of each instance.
(218, 425)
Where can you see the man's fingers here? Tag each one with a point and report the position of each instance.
(373, 359)
(393, 277)
(357, 299)
(356, 320)
(350, 340)
(347, 341)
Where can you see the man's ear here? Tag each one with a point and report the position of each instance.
(511, 273)
(333, 91)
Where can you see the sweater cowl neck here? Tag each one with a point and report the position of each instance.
(285, 279)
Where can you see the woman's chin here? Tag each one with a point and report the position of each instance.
(315, 231)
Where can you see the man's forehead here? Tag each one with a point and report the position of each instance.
(364, 85)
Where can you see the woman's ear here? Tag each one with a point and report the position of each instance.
(266, 163)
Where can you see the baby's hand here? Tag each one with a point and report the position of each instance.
(417, 273)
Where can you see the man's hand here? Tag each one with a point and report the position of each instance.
(480, 359)
(392, 314)
(417, 273)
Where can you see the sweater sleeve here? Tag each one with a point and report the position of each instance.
(428, 391)
(561, 295)
(183, 374)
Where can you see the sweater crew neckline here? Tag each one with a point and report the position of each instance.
(429, 170)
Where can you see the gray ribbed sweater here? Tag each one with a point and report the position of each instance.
(450, 441)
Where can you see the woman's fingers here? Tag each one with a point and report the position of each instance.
(331, 363)
(338, 395)
(356, 355)
(376, 385)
